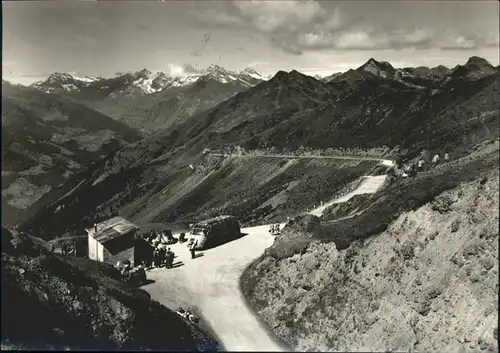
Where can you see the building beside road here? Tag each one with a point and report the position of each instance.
(112, 240)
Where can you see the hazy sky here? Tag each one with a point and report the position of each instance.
(101, 38)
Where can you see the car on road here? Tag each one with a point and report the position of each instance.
(214, 231)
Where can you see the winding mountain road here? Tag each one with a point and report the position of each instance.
(210, 283)
(369, 185)
(387, 162)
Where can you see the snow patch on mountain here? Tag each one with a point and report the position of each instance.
(183, 81)
(146, 85)
(69, 87)
(84, 78)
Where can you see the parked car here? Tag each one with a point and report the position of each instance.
(214, 231)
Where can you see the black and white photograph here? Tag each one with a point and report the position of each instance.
(250, 175)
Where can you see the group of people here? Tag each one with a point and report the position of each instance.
(419, 165)
(162, 255)
(131, 274)
(274, 228)
(125, 268)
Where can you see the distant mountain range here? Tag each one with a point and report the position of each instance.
(141, 82)
(152, 101)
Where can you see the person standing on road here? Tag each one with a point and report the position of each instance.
(156, 258)
(420, 165)
(435, 160)
(169, 258)
(162, 251)
(157, 240)
(192, 248)
(446, 157)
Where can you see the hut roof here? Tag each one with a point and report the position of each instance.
(111, 229)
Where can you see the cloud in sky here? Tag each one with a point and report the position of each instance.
(174, 70)
(300, 26)
(181, 70)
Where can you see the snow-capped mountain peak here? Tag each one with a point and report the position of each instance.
(219, 74)
(248, 77)
(216, 69)
(59, 77)
(252, 73)
(144, 81)
(250, 70)
(144, 74)
(149, 82)
(68, 82)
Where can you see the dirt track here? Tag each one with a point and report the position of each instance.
(369, 185)
(210, 283)
(386, 162)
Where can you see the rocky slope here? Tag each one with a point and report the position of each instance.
(46, 140)
(152, 101)
(424, 279)
(74, 304)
